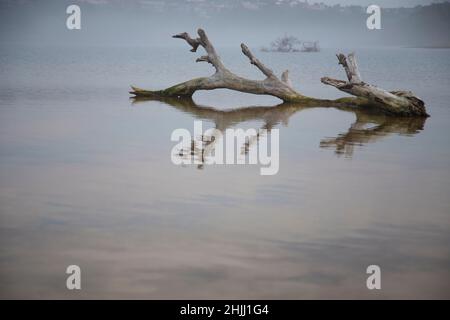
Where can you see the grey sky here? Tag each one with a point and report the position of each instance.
(138, 22)
(382, 3)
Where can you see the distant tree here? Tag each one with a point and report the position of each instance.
(285, 44)
(291, 44)
(310, 46)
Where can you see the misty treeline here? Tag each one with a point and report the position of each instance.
(257, 22)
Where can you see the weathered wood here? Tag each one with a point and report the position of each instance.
(224, 78)
(266, 71)
(400, 103)
(350, 67)
(285, 78)
(194, 43)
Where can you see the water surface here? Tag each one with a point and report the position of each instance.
(86, 178)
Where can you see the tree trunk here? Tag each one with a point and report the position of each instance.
(400, 103)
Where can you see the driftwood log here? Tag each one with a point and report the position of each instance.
(403, 103)
(398, 103)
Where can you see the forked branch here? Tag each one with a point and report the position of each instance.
(224, 78)
(401, 103)
(350, 67)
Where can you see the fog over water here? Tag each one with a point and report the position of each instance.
(151, 23)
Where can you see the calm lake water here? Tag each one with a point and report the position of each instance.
(86, 178)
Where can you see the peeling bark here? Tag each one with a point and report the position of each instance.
(400, 103)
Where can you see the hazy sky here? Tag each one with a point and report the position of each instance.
(383, 3)
(121, 22)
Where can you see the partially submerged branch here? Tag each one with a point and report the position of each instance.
(224, 78)
(401, 103)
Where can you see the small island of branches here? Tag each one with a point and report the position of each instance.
(291, 44)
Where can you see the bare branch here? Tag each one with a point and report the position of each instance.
(350, 66)
(396, 102)
(267, 72)
(203, 58)
(400, 103)
(285, 78)
(213, 57)
(194, 43)
(340, 84)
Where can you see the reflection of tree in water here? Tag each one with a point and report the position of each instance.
(369, 126)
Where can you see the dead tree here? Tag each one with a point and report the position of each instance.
(403, 103)
(224, 78)
(396, 103)
(285, 44)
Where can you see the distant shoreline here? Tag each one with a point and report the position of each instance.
(429, 47)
